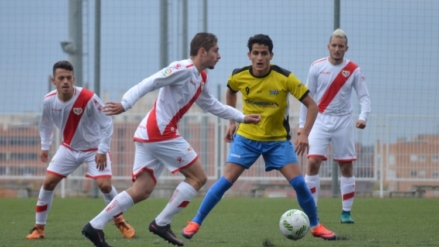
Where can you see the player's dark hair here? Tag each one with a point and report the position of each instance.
(62, 65)
(261, 39)
(202, 40)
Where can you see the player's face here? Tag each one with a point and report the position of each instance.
(337, 48)
(63, 81)
(260, 57)
(211, 57)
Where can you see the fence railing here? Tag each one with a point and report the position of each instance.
(395, 153)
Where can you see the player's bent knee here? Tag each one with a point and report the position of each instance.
(105, 188)
(51, 181)
(139, 194)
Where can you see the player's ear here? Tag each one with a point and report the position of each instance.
(202, 51)
(347, 48)
(249, 55)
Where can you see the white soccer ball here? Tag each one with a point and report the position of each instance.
(294, 224)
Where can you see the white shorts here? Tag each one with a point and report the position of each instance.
(65, 161)
(339, 130)
(175, 154)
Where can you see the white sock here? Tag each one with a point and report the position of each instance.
(121, 203)
(183, 194)
(313, 183)
(108, 197)
(347, 188)
(44, 203)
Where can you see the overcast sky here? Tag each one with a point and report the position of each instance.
(396, 43)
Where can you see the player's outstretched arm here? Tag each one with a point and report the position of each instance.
(113, 108)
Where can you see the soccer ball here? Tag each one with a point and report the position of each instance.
(294, 224)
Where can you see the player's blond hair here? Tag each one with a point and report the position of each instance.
(339, 33)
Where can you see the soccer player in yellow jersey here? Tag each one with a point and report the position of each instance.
(265, 89)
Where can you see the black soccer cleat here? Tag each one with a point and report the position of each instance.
(165, 232)
(97, 237)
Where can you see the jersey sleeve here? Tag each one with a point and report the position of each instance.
(311, 84)
(362, 94)
(232, 84)
(167, 76)
(46, 127)
(209, 103)
(95, 107)
(296, 88)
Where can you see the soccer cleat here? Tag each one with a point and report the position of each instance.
(125, 228)
(165, 232)
(96, 236)
(36, 233)
(346, 218)
(321, 232)
(190, 230)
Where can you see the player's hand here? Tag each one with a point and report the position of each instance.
(361, 124)
(101, 161)
(113, 108)
(301, 144)
(44, 155)
(252, 118)
(229, 133)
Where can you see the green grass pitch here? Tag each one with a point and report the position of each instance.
(237, 222)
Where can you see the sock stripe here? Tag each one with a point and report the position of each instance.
(348, 196)
(183, 204)
(117, 215)
(41, 208)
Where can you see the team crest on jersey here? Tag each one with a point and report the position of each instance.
(345, 73)
(166, 72)
(77, 111)
(274, 92)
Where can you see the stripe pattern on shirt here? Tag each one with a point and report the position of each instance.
(336, 85)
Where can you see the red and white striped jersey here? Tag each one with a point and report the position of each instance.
(180, 86)
(81, 120)
(331, 87)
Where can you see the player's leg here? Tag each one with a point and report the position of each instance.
(141, 189)
(344, 154)
(103, 180)
(145, 171)
(347, 188)
(62, 164)
(190, 166)
(195, 178)
(312, 178)
(277, 155)
(243, 153)
(319, 140)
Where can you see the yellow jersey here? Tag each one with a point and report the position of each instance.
(267, 96)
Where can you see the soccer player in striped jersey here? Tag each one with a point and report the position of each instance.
(330, 82)
(265, 89)
(86, 131)
(158, 141)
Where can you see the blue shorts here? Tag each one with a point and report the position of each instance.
(276, 154)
